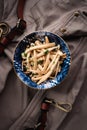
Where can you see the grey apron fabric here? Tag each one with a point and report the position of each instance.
(19, 104)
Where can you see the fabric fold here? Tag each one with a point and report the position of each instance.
(5, 67)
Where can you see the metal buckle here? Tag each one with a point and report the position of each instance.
(20, 25)
(37, 125)
(4, 29)
(66, 107)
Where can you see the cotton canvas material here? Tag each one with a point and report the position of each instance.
(19, 104)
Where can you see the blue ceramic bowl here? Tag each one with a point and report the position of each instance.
(18, 59)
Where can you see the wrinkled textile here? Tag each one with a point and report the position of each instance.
(19, 104)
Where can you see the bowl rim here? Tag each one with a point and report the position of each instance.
(36, 88)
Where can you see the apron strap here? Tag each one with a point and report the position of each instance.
(41, 123)
(17, 30)
(45, 105)
(43, 117)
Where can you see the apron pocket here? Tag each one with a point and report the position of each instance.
(76, 25)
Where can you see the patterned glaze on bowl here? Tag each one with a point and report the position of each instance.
(18, 59)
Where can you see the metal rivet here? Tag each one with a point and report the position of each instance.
(63, 30)
(76, 13)
(5, 27)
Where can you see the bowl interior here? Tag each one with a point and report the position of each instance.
(18, 59)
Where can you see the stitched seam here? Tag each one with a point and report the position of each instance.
(35, 4)
(28, 111)
(84, 17)
(78, 48)
(32, 112)
(3, 9)
(73, 18)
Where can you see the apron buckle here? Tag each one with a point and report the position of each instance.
(4, 29)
